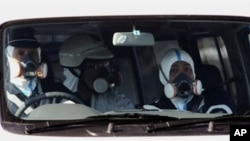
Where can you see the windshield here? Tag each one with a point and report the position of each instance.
(170, 67)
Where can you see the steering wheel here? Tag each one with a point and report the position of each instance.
(48, 95)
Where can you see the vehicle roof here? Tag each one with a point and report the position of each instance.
(26, 9)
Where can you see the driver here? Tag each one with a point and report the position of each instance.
(25, 68)
(182, 91)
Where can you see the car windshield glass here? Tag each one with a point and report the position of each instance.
(176, 67)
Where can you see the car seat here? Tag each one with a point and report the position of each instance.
(209, 75)
(49, 55)
(213, 85)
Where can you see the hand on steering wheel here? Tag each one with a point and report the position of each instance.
(48, 95)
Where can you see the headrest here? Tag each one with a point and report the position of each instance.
(209, 75)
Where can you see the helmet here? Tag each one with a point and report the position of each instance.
(82, 46)
(169, 59)
(23, 37)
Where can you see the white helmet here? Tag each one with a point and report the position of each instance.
(81, 46)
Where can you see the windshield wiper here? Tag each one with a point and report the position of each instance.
(91, 121)
(108, 119)
(186, 122)
(43, 126)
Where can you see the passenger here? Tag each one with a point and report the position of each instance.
(183, 91)
(90, 73)
(25, 68)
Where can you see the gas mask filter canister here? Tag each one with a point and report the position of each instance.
(104, 81)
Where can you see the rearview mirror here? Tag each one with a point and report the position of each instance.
(133, 39)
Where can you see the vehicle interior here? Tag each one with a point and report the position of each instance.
(219, 47)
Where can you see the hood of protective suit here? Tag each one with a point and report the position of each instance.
(169, 59)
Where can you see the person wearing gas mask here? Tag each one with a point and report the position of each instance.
(25, 68)
(184, 92)
(91, 75)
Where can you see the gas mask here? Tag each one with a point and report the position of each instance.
(105, 81)
(30, 69)
(183, 86)
(26, 68)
